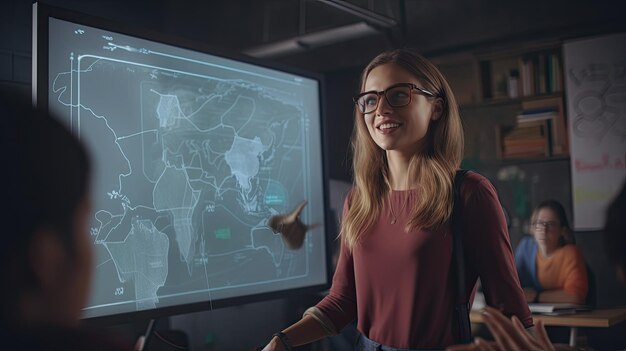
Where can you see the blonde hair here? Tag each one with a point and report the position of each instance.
(431, 170)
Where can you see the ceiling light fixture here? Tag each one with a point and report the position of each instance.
(370, 24)
(366, 15)
(313, 40)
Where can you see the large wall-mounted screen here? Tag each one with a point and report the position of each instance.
(192, 153)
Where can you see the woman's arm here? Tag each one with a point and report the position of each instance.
(488, 249)
(530, 294)
(331, 314)
(302, 332)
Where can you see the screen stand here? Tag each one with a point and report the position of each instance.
(142, 344)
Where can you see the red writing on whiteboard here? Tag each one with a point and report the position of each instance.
(605, 163)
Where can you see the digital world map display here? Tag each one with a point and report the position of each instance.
(192, 154)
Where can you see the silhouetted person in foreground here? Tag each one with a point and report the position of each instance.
(45, 248)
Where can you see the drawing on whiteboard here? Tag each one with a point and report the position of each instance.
(600, 105)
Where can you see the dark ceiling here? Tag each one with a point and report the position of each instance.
(432, 26)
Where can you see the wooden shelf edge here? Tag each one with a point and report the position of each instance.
(510, 101)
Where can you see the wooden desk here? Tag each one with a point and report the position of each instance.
(604, 318)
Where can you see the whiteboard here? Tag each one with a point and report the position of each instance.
(595, 81)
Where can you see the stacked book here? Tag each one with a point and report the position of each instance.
(527, 141)
(538, 114)
(540, 131)
(551, 110)
(531, 136)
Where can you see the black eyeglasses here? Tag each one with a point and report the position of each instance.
(397, 95)
(539, 225)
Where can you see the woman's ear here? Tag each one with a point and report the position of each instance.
(437, 109)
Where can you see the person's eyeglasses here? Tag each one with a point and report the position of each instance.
(544, 225)
(397, 95)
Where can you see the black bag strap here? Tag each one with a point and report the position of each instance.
(462, 306)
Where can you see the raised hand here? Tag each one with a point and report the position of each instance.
(291, 227)
(510, 335)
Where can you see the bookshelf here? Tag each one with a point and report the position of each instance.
(534, 73)
(518, 91)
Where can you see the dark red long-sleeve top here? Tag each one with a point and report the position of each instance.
(401, 287)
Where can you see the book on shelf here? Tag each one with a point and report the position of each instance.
(556, 308)
(530, 145)
(524, 151)
(526, 76)
(557, 79)
(550, 109)
(537, 114)
(540, 73)
(526, 140)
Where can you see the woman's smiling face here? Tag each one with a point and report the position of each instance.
(399, 128)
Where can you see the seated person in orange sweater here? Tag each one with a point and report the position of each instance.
(550, 267)
(510, 334)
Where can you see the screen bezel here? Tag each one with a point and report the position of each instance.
(41, 15)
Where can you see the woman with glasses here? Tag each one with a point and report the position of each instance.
(395, 275)
(551, 268)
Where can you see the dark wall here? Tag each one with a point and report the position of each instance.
(15, 41)
(339, 119)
